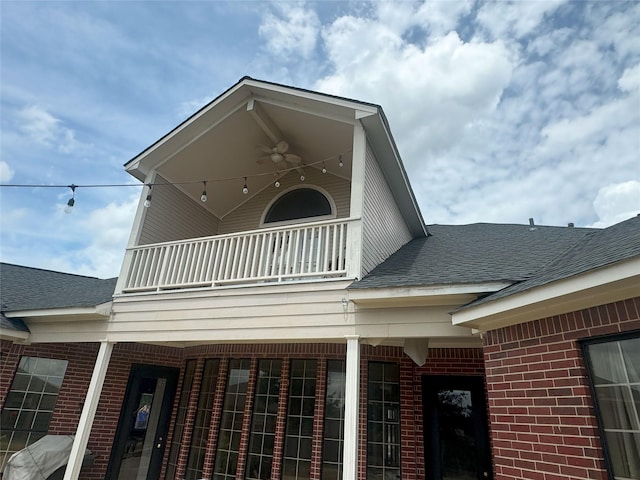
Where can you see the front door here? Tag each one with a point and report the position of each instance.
(144, 421)
(455, 426)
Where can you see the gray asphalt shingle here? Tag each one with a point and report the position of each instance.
(25, 288)
(471, 254)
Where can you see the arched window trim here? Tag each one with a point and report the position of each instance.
(332, 204)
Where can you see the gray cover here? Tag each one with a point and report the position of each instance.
(40, 459)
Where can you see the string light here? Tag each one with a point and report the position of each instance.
(147, 201)
(203, 197)
(72, 200)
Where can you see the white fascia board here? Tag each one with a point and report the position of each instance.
(431, 295)
(311, 96)
(99, 312)
(596, 287)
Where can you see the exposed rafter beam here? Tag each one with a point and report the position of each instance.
(264, 121)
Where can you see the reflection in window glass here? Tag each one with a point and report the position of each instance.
(299, 429)
(263, 423)
(383, 427)
(231, 420)
(29, 404)
(615, 373)
(334, 421)
(299, 203)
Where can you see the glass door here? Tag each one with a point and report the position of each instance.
(144, 421)
(456, 436)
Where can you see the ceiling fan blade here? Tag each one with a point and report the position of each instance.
(281, 147)
(294, 159)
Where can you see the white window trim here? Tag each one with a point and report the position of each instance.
(332, 205)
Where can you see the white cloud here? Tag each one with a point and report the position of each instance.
(630, 80)
(6, 172)
(515, 18)
(294, 31)
(431, 94)
(43, 128)
(617, 202)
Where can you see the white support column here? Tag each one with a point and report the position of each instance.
(88, 412)
(354, 231)
(351, 409)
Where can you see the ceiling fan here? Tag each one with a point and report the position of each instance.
(278, 155)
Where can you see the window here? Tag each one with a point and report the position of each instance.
(200, 435)
(299, 430)
(183, 407)
(383, 427)
(263, 423)
(297, 204)
(29, 405)
(614, 367)
(231, 421)
(334, 421)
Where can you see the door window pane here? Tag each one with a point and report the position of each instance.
(298, 439)
(263, 425)
(231, 421)
(334, 421)
(202, 422)
(183, 405)
(615, 373)
(383, 427)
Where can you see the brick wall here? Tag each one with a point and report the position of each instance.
(441, 361)
(542, 418)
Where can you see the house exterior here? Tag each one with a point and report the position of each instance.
(283, 312)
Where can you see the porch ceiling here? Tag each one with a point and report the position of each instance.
(226, 152)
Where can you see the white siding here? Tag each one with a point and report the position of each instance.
(247, 216)
(384, 230)
(174, 216)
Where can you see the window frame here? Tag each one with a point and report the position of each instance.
(584, 346)
(32, 434)
(296, 221)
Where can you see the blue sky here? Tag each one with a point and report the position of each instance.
(501, 110)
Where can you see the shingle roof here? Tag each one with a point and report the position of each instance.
(597, 249)
(26, 288)
(472, 254)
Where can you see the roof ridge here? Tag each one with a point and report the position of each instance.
(55, 271)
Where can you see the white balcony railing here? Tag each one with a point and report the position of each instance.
(313, 250)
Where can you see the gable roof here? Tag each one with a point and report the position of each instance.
(26, 288)
(321, 123)
(473, 254)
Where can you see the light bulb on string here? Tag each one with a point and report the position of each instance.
(147, 201)
(340, 164)
(72, 200)
(302, 178)
(245, 189)
(203, 197)
(324, 168)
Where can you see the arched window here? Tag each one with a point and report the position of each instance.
(297, 204)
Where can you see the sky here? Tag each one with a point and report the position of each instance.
(501, 111)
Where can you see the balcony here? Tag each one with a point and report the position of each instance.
(280, 254)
